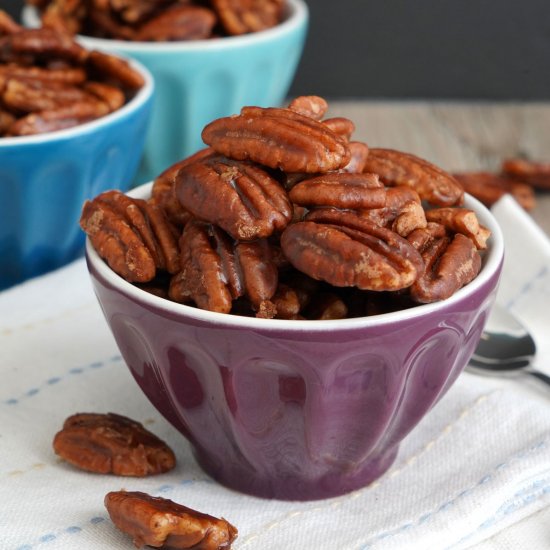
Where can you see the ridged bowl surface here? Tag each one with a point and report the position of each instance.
(296, 409)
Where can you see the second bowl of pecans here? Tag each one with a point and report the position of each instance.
(207, 58)
(72, 124)
(292, 300)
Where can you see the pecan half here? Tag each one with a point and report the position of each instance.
(431, 182)
(178, 22)
(162, 523)
(534, 173)
(461, 220)
(112, 444)
(278, 138)
(244, 16)
(402, 213)
(57, 119)
(450, 264)
(340, 190)
(359, 152)
(489, 188)
(240, 197)
(215, 271)
(312, 106)
(342, 126)
(346, 250)
(163, 192)
(115, 68)
(133, 236)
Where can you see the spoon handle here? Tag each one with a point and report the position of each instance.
(540, 375)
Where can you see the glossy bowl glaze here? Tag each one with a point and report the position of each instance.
(201, 80)
(296, 409)
(44, 180)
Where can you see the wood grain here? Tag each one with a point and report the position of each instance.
(457, 136)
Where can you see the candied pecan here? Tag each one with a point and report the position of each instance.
(6, 121)
(345, 250)
(112, 96)
(64, 15)
(66, 75)
(116, 69)
(245, 16)
(450, 264)
(178, 22)
(104, 24)
(402, 212)
(534, 173)
(7, 24)
(325, 306)
(422, 237)
(359, 152)
(431, 182)
(312, 106)
(287, 302)
(461, 220)
(133, 236)
(163, 191)
(344, 127)
(215, 271)
(162, 523)
(340, 190)
(58, 119)
(38, 95)
(240, 197)
(278, 138)
(112, 444)
(489, 188)
(44, 42)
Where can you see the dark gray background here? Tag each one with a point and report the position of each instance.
(441, 49)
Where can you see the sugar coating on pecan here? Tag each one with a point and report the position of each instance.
(242, 198)
(215, 271)
(340, 190)
(162, 523)
(312, 106)
(132, 235)
(431, 182)
(112, 444)
(346, 252)
(245, 16)
(278, 138)
(450, 264)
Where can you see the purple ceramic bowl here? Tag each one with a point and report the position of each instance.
(296, 409)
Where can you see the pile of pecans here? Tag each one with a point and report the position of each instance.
(50, 82)
(114, 444)
(285, 216)
(160, 20)
(517, 176)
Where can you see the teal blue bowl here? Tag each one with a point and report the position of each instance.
(45, 179)
(198, 81)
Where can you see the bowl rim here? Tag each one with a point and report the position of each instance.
(298, 14)
(143, 95)
(492, 261)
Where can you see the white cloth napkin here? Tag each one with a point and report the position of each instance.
(478, 463)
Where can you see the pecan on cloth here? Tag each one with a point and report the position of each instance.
(112, 444)
(162, 523)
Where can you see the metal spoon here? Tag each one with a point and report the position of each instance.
(505, 347)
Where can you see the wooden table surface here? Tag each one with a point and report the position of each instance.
(457, 136)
